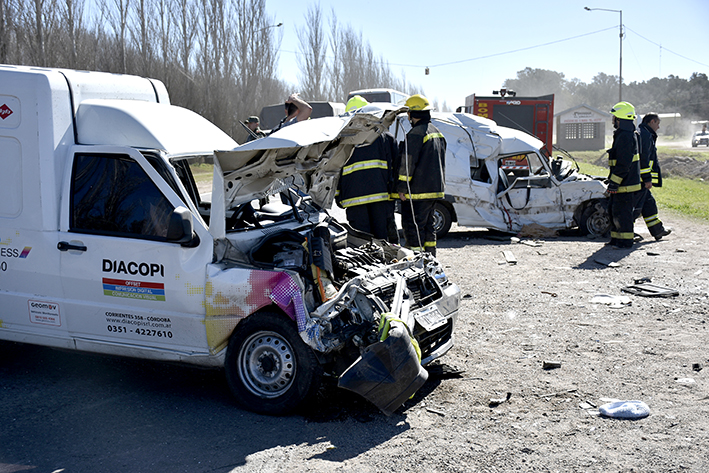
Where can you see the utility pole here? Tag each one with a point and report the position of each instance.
(620, 70)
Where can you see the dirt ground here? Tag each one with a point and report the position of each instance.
(506, 412)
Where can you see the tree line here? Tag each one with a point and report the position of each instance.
(689, 97)
(216, 57)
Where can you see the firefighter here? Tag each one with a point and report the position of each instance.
(421, 176)
(624, 178)
(651, 176)
(363, 188)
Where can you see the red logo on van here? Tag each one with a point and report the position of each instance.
(5, 111)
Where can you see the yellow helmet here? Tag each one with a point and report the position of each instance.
(418, 103)
(356, 102)
(624, 111)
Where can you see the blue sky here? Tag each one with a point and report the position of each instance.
(473, 46)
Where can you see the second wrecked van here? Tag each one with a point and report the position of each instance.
(503, 179)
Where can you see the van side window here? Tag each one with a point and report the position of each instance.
(112, 195)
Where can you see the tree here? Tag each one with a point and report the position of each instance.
(312, 47)
(115, 13)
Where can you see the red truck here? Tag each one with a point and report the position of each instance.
(533, 115)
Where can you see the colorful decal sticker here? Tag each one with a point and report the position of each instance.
(234, 294)
(15, 252)
(44, 313)
(148, 291)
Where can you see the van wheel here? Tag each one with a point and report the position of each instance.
(595, 220)
(270, 370)
(442, 220)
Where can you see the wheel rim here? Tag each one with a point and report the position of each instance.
(437, 220)
(598, 223)
(267, 364)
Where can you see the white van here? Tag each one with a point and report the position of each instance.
(110, 243)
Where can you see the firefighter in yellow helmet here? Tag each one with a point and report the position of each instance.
(363, 190)
(421, 175)
(624, 182)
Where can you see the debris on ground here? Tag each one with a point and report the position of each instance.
(532, 243)
(650, 290)
(441, 370)
(614, 302)
(509, 257)
(625, 410)
(494, 402)
(605, 262)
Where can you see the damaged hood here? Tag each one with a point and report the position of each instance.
(308, 154)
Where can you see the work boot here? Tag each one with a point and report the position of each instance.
(637, 238)
(663, 233)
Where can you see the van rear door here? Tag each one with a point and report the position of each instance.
(129, 289)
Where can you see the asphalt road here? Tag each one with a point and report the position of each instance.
(78, 412)
(683, 145)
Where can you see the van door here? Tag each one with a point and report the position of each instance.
(124, 282)
(527, 192)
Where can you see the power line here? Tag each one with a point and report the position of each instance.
(523, 49)
(665, 49)
(482, 57)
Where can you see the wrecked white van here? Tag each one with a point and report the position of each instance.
(502, 179)
(112, 242)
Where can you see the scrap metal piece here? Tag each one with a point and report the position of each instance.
(650, 290)
(494, 402)
(388, 372)
(509, 257)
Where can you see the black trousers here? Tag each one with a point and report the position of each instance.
(621, 210)
(417, 223)
(647, 207)
(371, 218)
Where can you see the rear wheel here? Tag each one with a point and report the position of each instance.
(442, 220)
(595, 220)
(269, 368)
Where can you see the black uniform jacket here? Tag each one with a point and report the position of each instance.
(365, 176)
(624, 160)
(422, 169)
(649, 165)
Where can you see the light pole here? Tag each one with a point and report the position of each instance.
(268, 27)
(620, 73)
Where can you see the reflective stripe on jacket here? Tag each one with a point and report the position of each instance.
(422, 168)
(623, 158)
(364, 179)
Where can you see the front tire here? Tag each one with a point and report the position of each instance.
(442, 220)
(270, 370)
(594, 220)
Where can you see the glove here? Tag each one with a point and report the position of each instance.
(612, 187)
